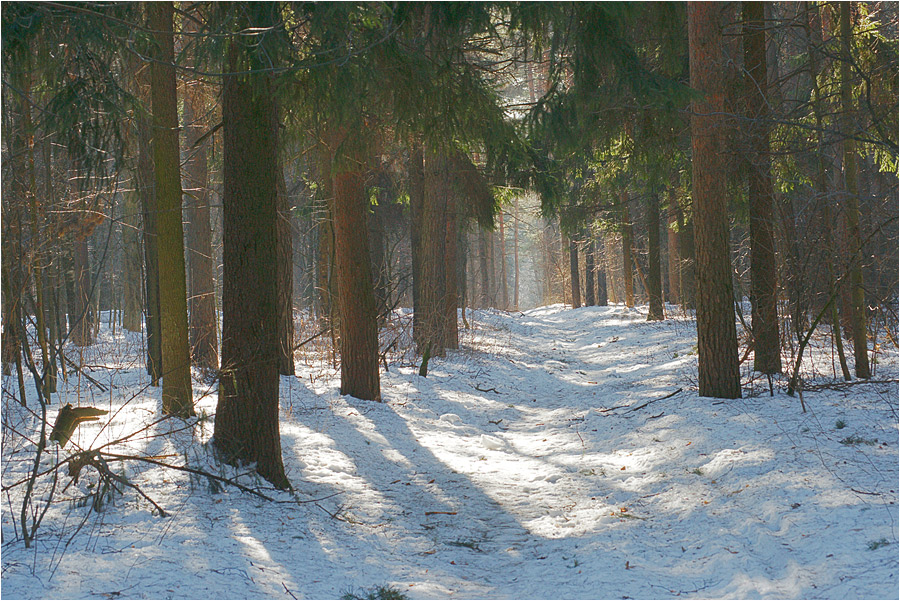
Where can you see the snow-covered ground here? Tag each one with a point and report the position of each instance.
(561, 454)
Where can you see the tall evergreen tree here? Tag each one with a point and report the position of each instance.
(247, 427)
(176, 363)
(716, 334)
(764, 289)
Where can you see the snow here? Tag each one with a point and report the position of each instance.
(560, 454)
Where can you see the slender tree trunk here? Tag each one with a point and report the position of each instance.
(82, 319)
(688, 269)
(450, 323)
(325, 288)
(483, 241)
(627, 251)
(573, 274)
(764, 288)
(504, 283)
(434, 263)
(590, 298)
(176, 390)
(131, 260)
(716, 334)
(416, 170)
(673, 254)
(814, 37)
(600, 258)
(203, 335)
(356, 297)
(516, 254)
(851, 209)
(654, 275)
(284, 264)
(246, 427)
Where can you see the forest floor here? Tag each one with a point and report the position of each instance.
(560, 454)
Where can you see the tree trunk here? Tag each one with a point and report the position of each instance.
(177, 396)
(434, 263)
(687, 255)
(356, 297)
(284, 265)
(483, 242)
(516, 254)
(504, 284)
(450, 323)
(203, 334)
(814, 38)
(719, 374)
(654, 275)
(81, 319)
(146, 187)
(627, 251)
(246, 426)
(590, 298)
(851, 209)
(673, 254)
(574, 275)
(416, 169)
(600, 258)
(763, 285)
(325, 288)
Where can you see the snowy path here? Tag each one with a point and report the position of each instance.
(524, 469)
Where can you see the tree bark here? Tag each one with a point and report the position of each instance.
(590, 299)
(356, 297)
(433, 288)
(716, 335)
(284, 265)
(516, 254)
(574, 275)
(627, 250)
(673, 255)
(416, 169)
(504, 279)
(177, 398)
(202, 334)
(851, 209)
(246, 426)
(654, 270)
(763, 285)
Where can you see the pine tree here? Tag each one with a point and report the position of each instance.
(764, 289)
(716, 334)
(176, 363)
(247, 427)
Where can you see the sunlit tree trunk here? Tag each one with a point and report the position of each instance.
(516, 254)
(716, 335)
(177, 396)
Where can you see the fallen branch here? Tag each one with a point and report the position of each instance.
(841, 385)
(668, 396)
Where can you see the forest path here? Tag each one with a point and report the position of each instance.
(559, 454)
